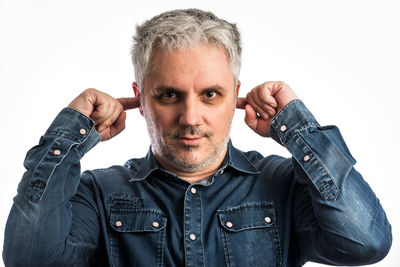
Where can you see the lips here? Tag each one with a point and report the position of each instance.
(189, 140)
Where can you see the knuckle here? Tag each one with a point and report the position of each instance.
(90, 91)
(264, 99)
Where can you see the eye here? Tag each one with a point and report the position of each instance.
(168, 95)
(210, 94)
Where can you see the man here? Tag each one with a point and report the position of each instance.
(194, 200)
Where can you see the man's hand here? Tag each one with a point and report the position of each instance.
(263, 102)
(107, 112)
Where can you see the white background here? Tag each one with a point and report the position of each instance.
(341, 57)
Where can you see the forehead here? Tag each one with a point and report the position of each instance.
(200, 65)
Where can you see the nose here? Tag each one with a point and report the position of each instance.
(190, 113)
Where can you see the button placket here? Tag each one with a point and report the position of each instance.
(192, 231)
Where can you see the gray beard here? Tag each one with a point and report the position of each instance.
(182, 164)
(169, 152)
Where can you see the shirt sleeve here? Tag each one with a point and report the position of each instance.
(337, 217)
(39, 230)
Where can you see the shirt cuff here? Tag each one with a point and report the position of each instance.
(293, 117)
(77, 127)
(296, 128)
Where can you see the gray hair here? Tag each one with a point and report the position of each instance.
(179, 29)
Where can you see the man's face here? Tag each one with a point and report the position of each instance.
(189, 103)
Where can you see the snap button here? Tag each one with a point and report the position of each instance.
(82, 131)
(283, 128)
(155, 224)
(118, 223)
(229, 224)
(221, 172)
(306, 158)
(57, 152)
(267, 219)
(193, 190)
(192, 237)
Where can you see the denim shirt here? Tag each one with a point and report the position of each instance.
(255, 210)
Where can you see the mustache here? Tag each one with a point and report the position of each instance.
(191, 130)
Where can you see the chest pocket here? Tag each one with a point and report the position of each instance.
(250, 236)
(137, 237)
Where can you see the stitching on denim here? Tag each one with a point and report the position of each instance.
(320, 164)
(51, 172)
(201, 225)
(226, 245)
(246, 205)
(160, 248)
(184, 228)
(278, 245)
(310, 124)
(82, 142)
(81, 243)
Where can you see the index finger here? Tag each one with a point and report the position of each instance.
(129, 102)
(241, 102)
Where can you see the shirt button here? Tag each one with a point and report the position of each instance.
(118, 223)
(192, 237)
(221, 172)
(283, 128)
(82, 131)
(155, 224)
(267, 219)
(306, 158)
(193, 190)
(229, 224)
(57, 152)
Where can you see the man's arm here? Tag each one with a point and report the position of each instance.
(337, 217)
(45, 227)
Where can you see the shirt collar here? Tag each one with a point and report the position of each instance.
(239, 161)
(234, 158)
(144, 166)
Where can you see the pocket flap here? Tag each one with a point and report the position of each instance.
(138, 221)
(247, 216)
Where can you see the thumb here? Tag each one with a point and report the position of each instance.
(250, 117)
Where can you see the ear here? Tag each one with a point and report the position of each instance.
(137, 93)
(237, 88)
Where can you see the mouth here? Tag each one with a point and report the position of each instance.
(190, 140)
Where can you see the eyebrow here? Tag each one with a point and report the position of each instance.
(164, 88)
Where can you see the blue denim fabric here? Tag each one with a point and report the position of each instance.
(256, 210)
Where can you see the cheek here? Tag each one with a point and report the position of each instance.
(161, 120)
(222, 119)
